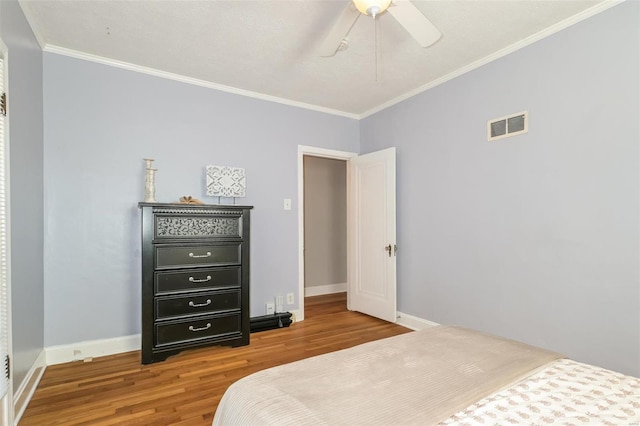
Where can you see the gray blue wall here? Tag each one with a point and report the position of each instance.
(533, 237)
(26, 168)
(100, 122)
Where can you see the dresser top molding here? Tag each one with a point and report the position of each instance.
(192, 208)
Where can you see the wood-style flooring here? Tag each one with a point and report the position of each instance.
(186, 388)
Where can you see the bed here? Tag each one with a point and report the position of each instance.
(438, 376)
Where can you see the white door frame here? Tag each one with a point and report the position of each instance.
(7, 413)
(312, 152)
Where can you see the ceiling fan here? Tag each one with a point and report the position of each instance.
(403, 11)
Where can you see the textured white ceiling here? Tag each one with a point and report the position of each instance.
(270, 47)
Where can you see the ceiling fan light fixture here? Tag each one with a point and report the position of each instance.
(372, 7)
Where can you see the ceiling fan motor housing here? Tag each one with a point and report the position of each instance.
(403, 11)
(372, 7)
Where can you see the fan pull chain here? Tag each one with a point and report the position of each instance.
(375, 30)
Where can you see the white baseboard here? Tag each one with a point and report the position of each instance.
(295, 316)
(93, 348)
(319, 290)
(25, 391)
(414, 323)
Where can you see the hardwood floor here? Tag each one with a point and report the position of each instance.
(186, 388)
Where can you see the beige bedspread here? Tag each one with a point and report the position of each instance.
(415, 378)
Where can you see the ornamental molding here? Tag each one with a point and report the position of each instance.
(175, 226)
(196, 211)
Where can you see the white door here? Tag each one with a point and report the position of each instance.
(372, 234)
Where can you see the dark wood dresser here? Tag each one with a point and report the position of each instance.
(195, 277)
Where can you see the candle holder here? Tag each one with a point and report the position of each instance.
(150, 182)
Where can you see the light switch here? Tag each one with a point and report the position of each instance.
(287, 203)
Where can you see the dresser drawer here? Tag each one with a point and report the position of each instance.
(197, 279)
(198, 255)
(192, 330)
(194, 224)
(197, 304)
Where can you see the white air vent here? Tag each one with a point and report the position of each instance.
(508, 126)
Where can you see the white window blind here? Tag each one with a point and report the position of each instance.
(4, 267)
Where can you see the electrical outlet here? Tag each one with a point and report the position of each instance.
(289, 298)
(279, 303)
(270, 308)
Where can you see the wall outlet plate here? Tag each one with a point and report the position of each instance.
(290, 299)
(279, 304)
(270, 308)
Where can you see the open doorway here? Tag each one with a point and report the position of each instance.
(322, 194)
(370, 228)
(325, 226)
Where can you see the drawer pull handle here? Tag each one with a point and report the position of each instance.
(204, 280)
(192, 328)
(195, 256)
(194, 305)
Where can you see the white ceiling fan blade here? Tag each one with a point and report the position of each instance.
(414, 22)
(340, 29)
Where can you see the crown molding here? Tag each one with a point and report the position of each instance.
(600, 7)
(49, 48)
(587, 13)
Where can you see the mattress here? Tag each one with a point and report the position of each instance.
(434, 376)
(565, 392)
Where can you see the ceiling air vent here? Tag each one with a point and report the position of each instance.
(508, 126)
